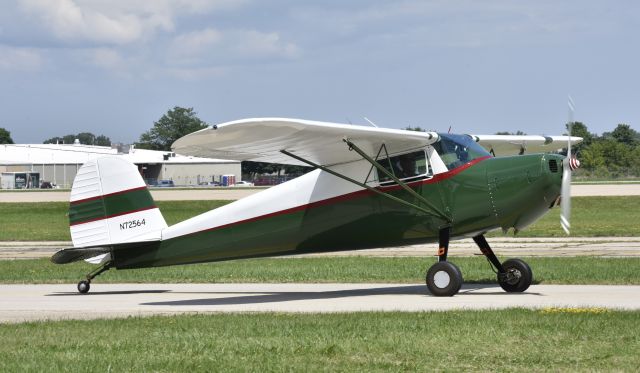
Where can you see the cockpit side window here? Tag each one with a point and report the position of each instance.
(406, 167)
(456, 150)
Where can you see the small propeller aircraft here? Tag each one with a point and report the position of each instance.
(370, 187)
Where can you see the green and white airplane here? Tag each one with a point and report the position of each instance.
(370, 187)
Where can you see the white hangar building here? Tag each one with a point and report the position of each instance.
(59, 163)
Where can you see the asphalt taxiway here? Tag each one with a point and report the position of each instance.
(22, 303)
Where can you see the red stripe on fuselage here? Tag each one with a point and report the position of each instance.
(349, 196)
(107, 195)
(439, 177)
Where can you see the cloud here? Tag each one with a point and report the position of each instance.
(464, 23)
(124, 37)
(204, 6)
(113, 61)
(107, 58)
(114, 22)
(98, 22)
(194, 73)
(212, 53)
(20, 59)
(211, 46)
(251, 43)
(196, 42)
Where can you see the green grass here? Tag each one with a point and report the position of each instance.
(509, 340)
(34, 221)
(591, 217)
(576, 270)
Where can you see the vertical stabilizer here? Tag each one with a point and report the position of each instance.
(110, 204)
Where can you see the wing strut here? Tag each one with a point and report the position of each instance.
(429, 211)
(325, 169)
(434, 209)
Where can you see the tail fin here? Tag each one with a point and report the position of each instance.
(110, 204)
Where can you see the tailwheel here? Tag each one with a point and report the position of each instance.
(444, 279)
(85, 285)
(517, 276)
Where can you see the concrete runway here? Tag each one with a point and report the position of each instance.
(580, 190)
(21, 303)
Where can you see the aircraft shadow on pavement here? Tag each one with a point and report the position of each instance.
(122, 292)
(469, 290)
(275, 297)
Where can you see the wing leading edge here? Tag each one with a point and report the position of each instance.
(519, 144)
(262, 139)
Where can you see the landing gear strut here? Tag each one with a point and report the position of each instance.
(444, 279)
(85, 285)
(514, 275)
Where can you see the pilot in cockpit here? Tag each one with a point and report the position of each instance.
(405, 167)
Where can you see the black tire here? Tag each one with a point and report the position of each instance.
(444, 279)
(83, 286)
(518, 278)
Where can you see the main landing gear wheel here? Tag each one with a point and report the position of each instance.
(84, 286)
(444, 279)
(517, 277)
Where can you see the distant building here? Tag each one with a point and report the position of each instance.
(58, 163)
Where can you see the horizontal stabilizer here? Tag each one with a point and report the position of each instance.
(75, 254)
(100, 253)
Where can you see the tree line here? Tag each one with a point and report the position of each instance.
(85, 138)
(614, 154)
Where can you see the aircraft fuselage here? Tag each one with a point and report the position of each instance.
(319, 212)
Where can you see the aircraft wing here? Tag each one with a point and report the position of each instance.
(503, 145)
(262, 139)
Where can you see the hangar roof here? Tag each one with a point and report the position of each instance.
(78, 154)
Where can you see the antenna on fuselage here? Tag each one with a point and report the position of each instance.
(370, 122)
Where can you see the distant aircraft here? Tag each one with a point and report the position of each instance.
(370, 187)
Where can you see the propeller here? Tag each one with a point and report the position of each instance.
(569, 164)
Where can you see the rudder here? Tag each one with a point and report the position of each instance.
(110, 204)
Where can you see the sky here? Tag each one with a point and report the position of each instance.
(113, 67)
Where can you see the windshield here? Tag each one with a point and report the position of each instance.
(456, 150)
